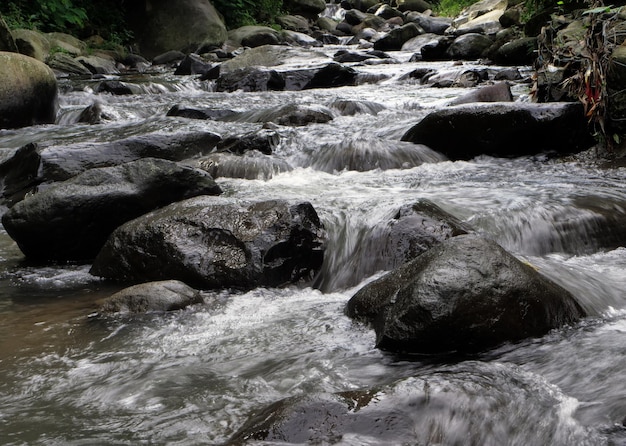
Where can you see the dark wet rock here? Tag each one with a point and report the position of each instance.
(412, 230)
(465, 294)
(508, 74)
(72, 220)
(355, 17)
(135, 62)
(511, 17)
(254, 36)
(185, 25)
(351, 108)
(263, 141)
(435, 49)
(290, 115)
(331, 76)
(469, 46)
(503, 130)
(250, 80)
(199, 113)
(64, 63)
(430, 24)
(397, 37)
(168, 57)
(28, 92)
(213, 242)
(19, 171)
(518, 52)
(361, 154)
(417, 75)
(193, 64)
(344, 56)
(455, 77)
(388, 13)
(114, 87)
(252, 165)
(328, 39)
(58, 163)
(167, 295)
(93, 114)
(499, 92)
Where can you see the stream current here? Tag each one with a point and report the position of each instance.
(195, 376)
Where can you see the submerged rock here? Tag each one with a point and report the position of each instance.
(73, 219)
(251, 165)
(470, 403)
(412, 230)
(289, 115)
(363, 154)
(213, 242)
(466, 294)
(167, 295)
(503, 129)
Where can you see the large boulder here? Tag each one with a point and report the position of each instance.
(166, 295)
(184, 25)
(59, 163)
(32, 43)
(7, 42)
(517, 52)
(466, 294)
(73, 219)
(469, 46)
(503, 129)
(214, 242)
(478, 9)
(397, 37)
(28, 92)
(430, 24)
(498, 92)
(414, 5)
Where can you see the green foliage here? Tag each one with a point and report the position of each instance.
(248, 12)
(452, 8)
(46, 15)
(81, 18)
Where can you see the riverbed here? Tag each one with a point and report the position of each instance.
(194, 376)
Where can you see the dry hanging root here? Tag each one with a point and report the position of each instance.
(584, 63)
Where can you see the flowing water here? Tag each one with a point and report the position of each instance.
(195, 376)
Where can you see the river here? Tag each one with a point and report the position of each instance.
(195, 376)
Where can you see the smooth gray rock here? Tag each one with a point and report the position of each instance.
(167, 295)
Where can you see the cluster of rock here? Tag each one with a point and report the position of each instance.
(138, 214)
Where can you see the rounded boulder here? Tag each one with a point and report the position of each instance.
(28, 92)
